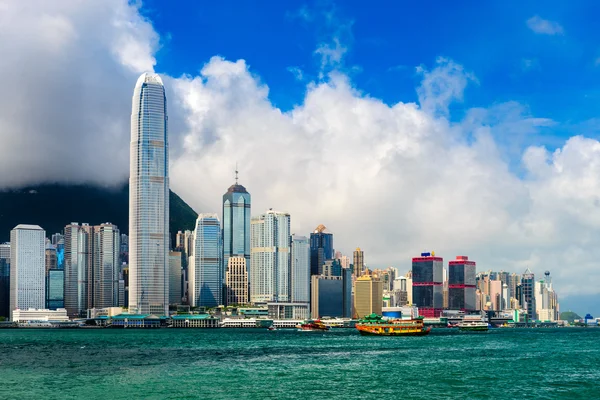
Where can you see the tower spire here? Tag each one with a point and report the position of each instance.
(236, 173)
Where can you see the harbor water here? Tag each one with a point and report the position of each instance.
(287, 364)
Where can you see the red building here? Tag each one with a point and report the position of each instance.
(428, 278)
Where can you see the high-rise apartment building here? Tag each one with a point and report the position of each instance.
(368, 296)
(461, 284)
(107, 266)
(149, 199)
(236, 281)
(236, 222)
(206, 265)
(300, 270)
(175, 294)
(5, 280)
(27, 267)
(321, 248)
(359, 262)
(427, 282)
(270, 257)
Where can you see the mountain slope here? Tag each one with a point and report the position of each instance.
(53, 206)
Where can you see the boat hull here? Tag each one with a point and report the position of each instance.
(473, 328)
(382, 331)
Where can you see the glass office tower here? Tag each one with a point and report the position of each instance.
(149, 199)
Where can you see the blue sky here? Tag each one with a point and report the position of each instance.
(555, 74)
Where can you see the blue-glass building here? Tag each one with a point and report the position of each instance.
(206, 267)
(55, 289)
(321, 249)
(236, 223)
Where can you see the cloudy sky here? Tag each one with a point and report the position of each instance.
(469, 130)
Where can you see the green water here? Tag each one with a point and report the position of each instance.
(258, 364)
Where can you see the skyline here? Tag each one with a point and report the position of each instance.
(393, 178)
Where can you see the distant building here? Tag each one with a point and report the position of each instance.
(368, 296)
(78, 266)
(288, 310)
(206, 266)
(33, 314)
(321, 248)
(300, 270)
(461, 284)
(106, 251)
(528, 294)
(270, 258)
(331, 296)
(5, 280)
(27, 268)
(236, 222)
(427, 276)
(359, 262)
(55, 289)
(51, 259)
(331, 268)
(236, 281)
(175, 277)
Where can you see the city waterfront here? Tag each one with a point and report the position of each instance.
(258, 364)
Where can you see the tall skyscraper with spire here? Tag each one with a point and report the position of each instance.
(236, 223)
(149, 199)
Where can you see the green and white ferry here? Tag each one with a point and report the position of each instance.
(473, 323)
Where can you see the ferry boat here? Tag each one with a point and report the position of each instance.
(316, 325)
(473, 323)
(375, 325)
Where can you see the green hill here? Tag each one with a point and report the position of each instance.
(569, 316)
(53, 206)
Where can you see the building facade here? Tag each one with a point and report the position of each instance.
(5, 280)
(107, 265)
(55, 289)
(461, 284)
(78, 265)
(359, 262)
(236, 281)
(528, 294)
(300, 270)
(236, 223)
(427, 281)
(149, 199)
(331, 296)
(321, 248)
(368, 296)
(27, 268)
(175, 294)
(270, 258)
(206, 266)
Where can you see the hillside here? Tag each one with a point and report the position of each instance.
(54, 206)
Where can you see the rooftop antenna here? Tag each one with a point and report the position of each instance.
(236, 173)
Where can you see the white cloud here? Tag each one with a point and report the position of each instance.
(68, 71)
(544, 26)
(392, 179)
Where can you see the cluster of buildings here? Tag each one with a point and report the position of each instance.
(234, 261)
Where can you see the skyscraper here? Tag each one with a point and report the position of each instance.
(427, 275)
(359, 262)
(77, 266)
(528, 293)
(236, 223)
(461, 284)
(237, 281)
(270, 257)
(206, 266)
(27, 267)
(107, 266)
(300, 270)
(149, 199)
(175, 276)
(321, 248)
(5, 280)
(368, 296)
